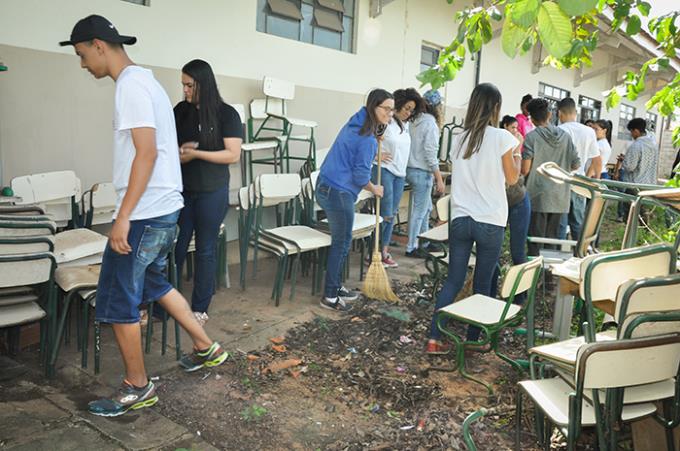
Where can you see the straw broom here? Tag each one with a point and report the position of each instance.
(376, 283)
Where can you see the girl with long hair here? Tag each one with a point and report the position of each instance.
(344, 173)
(423, 170)
(209, 133)
(484, 160)
(396, 149)
(603, 131)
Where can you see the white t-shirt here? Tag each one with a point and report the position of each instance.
(605, 152)
(140, 101)
(585, 141)
(398, 144)
(478, 183)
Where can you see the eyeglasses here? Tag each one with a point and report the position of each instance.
(387, 109)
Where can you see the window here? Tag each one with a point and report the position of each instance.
(429, 55)
(139, 2)
(651, 121)
(553, 95)
(626, 113)
(589, 109)
(328, 23)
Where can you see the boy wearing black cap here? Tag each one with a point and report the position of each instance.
(148, 181)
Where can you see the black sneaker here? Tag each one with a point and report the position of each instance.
(212, 356)
(348, 295)
(416, 253)
(336, 304)
(127, 398)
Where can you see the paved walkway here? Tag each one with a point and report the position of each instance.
(37, 415)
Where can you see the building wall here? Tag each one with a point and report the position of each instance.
(53, 115)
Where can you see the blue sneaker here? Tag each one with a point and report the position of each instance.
(127, 398)
(212, 356)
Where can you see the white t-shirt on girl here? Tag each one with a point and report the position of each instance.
(478, 183)
(140, 101)
(605, 152)
(398, 144)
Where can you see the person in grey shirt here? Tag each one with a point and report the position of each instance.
(642, 157)
(549, 200)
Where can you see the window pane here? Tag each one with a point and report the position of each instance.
(327, 38)
(283, 27)
(348, 24)
(306, 30)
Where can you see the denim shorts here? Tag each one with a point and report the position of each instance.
(127, 281)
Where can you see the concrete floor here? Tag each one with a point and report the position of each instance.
(39, 415)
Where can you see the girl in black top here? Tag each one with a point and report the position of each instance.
(209, 134)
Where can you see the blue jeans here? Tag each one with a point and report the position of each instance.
(126, 281)
(519, 216)
(339, 208)
(463, 233)
(575, 217)
(389, 204)
(421, 191)
(203, 214)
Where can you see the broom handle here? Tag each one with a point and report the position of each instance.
(376, 244)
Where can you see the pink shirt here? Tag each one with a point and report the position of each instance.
(524, 124)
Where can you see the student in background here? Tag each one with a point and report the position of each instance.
(519, 214)
(585, 142)
(209, 134)
(524, 124)
(549, 200)
(423, 169)
(603, 132)
(484, 160)
(396, 147)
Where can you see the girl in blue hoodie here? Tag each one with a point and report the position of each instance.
(344, 173)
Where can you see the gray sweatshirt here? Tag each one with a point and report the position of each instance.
(424, 143)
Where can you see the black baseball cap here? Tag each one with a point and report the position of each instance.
(97, 27)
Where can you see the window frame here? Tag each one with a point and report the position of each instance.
(596, 107)
(552, 99)
(625, 110)
(648, 117)
(307, 29)
(433, 48)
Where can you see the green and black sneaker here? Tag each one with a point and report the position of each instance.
(210, 357)
(127, 398)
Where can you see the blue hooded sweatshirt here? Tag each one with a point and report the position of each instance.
(347, 166)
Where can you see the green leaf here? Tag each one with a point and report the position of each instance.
(634, 25)
(664, 63)
(495, 14)
(644, 8)
(554, 29)
(474, 42)
(487, 31)
(576, 8)
(525, 12)
(511, 38)
(613, 99)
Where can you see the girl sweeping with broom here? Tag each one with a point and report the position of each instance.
(344, 173)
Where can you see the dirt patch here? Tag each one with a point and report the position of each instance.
(363, 383)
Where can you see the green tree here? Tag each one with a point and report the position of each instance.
(567, 29)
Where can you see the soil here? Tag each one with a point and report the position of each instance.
(358, 381)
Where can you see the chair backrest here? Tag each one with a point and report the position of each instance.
(278, 89)
(644, 306)
(321, 155)
(277, 188)
(364, 195)
(591, 224)
(443, 207)
(241, 110)
(101, 203)
(26, 269)
(56, 192)
(26, 245)
(624, 363)
(14, 228)
(521, 278)
(603, 273)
